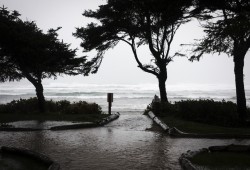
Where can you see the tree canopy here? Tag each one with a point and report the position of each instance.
(228, 27)
(137, 23)
(27, 52)
(227, 31)
(25, 49)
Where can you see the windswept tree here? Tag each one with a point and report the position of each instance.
(27, 52)
(227, 31)
(148, 22)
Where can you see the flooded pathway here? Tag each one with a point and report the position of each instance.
(122, 144)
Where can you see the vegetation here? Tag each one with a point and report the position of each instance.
(202, 111)
(11, 161)
(221, 160)
(137, 23)
(27, 52)
(26, 109)
(202, 128)
(227, 28)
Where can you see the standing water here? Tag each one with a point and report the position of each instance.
(122, 144)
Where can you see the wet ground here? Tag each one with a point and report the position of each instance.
(123, 144)
(41, 124)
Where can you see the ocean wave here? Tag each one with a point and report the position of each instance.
(233, 98)
(75, 94)
(103, 87)
(98, 97)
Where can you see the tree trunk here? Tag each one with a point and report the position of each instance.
(162, 77)
(240, 90)
(40, 97)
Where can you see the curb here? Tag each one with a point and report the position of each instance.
(158, 121)
(10, 129)
(174, 132)
(74, 126)
(186, 163)
(103, 122)
(109, 119)
(25, 152)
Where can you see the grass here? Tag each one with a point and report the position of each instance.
(222, 160)
(201, 128)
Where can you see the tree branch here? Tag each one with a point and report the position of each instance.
(138, 61)
(170, 40)
(163, 40)
(149, 38)
(125, 41)
(227, 23)
(157, 40)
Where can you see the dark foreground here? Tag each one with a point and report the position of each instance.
(122, 144)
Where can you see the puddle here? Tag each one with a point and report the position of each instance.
(123, 144)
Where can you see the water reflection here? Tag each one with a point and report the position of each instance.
(123, 144)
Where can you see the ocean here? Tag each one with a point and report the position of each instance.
(127, 98)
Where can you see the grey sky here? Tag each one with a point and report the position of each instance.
(119, 65)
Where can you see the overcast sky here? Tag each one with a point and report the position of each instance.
(119, 65)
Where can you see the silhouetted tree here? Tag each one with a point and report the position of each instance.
(27, 52)
(227, 31)
(148, 22)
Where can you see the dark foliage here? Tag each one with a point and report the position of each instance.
(227, 31)
(27, 52)
(137, 23)
(221, 113)
(27, 106)
(25, 49)
(203, 111)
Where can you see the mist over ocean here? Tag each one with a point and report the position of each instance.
(127, 98)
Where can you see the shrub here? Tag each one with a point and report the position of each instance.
(20, 106)
(63, 107)
(209, 111)
(204, 111)
(82, 107)
(161, 109)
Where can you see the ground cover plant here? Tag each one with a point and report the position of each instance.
(26, 109)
